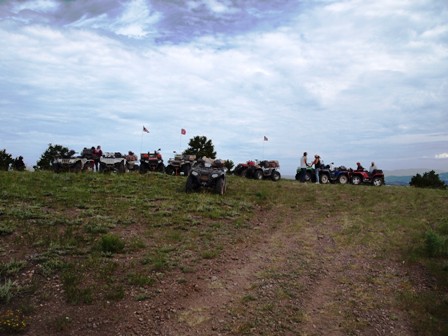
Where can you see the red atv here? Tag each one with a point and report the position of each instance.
(266, 169)
(151, 161)
(242, 168)
(376, 178)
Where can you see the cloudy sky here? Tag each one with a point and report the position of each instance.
(351, 80)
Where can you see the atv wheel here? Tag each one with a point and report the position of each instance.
(77, 168)
(377, 181)
(160, 168)
(104, 168)
(243, 173)
(356, 180)
(220, 186)
(143, 168)
(308, 177)
(169, 170)
(190, 186)
(258, 175)
(275, 176)
(185, 169)
(57, 168)
(324, 179)
(88, 167)
(121, 167)
(343, 179)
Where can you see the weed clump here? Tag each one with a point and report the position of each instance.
(436, 245)
(12, 321)
(6, 291)
(111, 243)
(6, 229)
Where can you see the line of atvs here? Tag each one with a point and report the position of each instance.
(342, 175)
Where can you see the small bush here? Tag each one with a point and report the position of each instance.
(111, 243)
(436, 245)
(428, 180)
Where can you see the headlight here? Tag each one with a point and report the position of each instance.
(215, 175)
(194, 173)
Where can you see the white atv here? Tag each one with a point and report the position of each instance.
(112, 162)
(71, 163)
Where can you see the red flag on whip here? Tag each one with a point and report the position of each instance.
(183, 131)
(145, 129)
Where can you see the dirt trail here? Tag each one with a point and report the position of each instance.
(295, 280)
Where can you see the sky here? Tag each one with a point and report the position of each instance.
(350, 80)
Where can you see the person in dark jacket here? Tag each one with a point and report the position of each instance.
(359, 167)
(98, 154)
(317, 165)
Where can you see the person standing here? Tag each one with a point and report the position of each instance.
(98, 155)
(317, 164)
(372, 168)
(303, 166)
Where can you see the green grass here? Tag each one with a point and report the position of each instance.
(84, 229)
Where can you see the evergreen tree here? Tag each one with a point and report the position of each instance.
(428, 180)
(5, 160)
(229, 165)
(200, 146)
(50, 155)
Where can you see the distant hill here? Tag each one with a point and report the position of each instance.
(410, 172)
(405, 179)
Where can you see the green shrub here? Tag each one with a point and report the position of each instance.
(111, 243)
(428, 180)
(436, 244)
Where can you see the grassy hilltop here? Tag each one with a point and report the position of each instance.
(98, 254)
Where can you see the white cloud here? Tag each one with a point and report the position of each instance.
(42, 6)
(442, 156)
(342, 80)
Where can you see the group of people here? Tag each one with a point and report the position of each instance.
(318, 164)
(372, 167)
(304, 165)
(95, 154)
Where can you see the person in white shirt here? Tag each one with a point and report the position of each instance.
(303, 166)
(372, 168)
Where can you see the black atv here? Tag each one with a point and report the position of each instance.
(180, 165)
(151, 161)
(207, 173)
